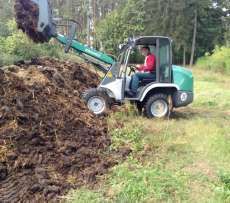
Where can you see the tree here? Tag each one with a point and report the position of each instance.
(116, 27)
(86, 12)
(194, 38)
(6, 13)
(195, 26)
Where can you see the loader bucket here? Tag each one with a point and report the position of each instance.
(34, 17)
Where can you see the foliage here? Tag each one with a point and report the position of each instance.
(165, 17)
(6, 11)
(145, 183)
(119, 19)
(83, 196)
(4, 31)
(128, 137)
(115, 28)
(16, 46)
(219, 61)
(223, 189)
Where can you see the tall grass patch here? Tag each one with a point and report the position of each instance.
(219, 61)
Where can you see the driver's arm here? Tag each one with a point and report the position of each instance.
(149, 64)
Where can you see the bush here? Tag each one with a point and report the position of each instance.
(118, 26)
(16, 46)
(4, 31)
(219, 61)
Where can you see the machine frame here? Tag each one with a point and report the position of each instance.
(172, 87)
(167, 94)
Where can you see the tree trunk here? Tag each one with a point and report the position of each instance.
(194, 40)
(89, 22)
(184, 56)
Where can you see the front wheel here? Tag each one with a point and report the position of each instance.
(96, 101)
(157, 106)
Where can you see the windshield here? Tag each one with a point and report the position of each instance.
(122, 60)
(123, 56)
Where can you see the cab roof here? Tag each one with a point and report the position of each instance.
(148, 40)
(143, 40)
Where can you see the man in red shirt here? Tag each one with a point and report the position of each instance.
(146, 71)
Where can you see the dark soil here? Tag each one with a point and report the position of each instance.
(27, 16)
(53, 143)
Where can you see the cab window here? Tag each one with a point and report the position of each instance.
(164, 61)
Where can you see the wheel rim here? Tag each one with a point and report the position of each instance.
(96, 104)
(159, 108)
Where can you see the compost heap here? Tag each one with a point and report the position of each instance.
(49, 142)
(27, 16)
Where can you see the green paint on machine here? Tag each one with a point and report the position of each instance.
(82, 48)
(183, 78)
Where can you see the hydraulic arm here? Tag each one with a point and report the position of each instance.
(99, 59)
(41, 28)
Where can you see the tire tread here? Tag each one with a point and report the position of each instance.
(150, 100)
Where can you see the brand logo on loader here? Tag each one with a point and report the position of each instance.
(184, 96)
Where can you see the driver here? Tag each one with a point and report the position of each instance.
(146, 71)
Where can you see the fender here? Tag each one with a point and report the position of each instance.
(145, 91)
(115, 87)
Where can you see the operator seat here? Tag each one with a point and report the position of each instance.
(145, 82)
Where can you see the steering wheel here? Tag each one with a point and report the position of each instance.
(132, 69)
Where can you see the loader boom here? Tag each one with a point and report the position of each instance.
(41, 27)
(101, 60)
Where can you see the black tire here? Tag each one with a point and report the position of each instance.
(95, 93)
(152, 100)
(139, 106)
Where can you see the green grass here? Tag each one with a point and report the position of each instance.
(219, 61)
(83, 195)
(184, 159)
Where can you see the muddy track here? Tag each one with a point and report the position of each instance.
(49, 142)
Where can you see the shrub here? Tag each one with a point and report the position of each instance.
(16, 46)
(219, 61)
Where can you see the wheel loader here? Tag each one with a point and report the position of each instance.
(172, 86)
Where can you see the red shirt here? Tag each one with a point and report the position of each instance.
(150, 64)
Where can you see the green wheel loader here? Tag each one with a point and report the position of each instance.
(172, 86)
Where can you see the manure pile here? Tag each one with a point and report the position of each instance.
(49, 141)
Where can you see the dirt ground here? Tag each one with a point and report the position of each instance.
(49, 142)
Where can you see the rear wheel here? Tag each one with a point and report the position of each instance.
(97, 101)
(157, 106)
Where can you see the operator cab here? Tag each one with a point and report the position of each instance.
(118, 79)
(155, 97)
(161, 48)
(137, 59)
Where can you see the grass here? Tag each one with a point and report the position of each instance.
(184, 159)
(218, 61)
